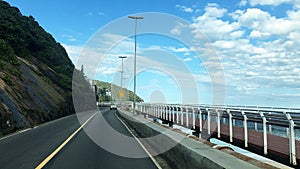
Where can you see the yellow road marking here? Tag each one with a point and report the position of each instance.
(46, 160)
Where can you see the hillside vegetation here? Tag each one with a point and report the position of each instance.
(35, 73)
(114, 92)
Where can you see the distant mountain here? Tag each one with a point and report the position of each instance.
(110, 92)
(35, 73)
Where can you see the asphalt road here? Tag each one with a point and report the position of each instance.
(28, 149)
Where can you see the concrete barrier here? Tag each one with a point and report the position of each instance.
(188, 153)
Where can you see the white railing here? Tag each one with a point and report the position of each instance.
(284, 117)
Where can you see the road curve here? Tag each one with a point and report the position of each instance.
(28, 149)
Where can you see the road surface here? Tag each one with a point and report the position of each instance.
(30, 148)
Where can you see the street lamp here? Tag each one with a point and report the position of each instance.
(122, 71)
(134, 80)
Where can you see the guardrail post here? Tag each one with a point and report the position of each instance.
(270, 128)
(265, 134)
(200, 119)
(161, 111)
(194, 123)
(173, 114)
(187, 116)
(230, 126)
(292, 141)
(177, 115)
(208, 121)
(165, 112)
(170, 115)
(181, 116)
(245, 129)
(218, 123)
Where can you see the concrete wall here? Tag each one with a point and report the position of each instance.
(186, 152)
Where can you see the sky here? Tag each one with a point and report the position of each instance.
(237, 52)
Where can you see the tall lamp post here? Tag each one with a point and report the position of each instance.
(134, 80)
(122, 71)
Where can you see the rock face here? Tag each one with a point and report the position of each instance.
(35, 73)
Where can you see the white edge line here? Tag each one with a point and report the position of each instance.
(15, 133)
(30, 128)
(141, 144)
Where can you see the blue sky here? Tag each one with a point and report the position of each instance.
(240, 52)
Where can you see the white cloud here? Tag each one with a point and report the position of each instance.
(180, 49)
(185, 8)
(256, 34)
(237, 34)
(263, 23)
(107, 70)
(294, 15)
(236, 14)
(175, 31)
(70, 38)
(269, 2)
(213, 28)
(225, 44)
(243, 2)
(187, 59)
(214, 10)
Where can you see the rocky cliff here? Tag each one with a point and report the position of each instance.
(35, 73)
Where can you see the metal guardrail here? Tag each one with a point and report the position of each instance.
(284, 117)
